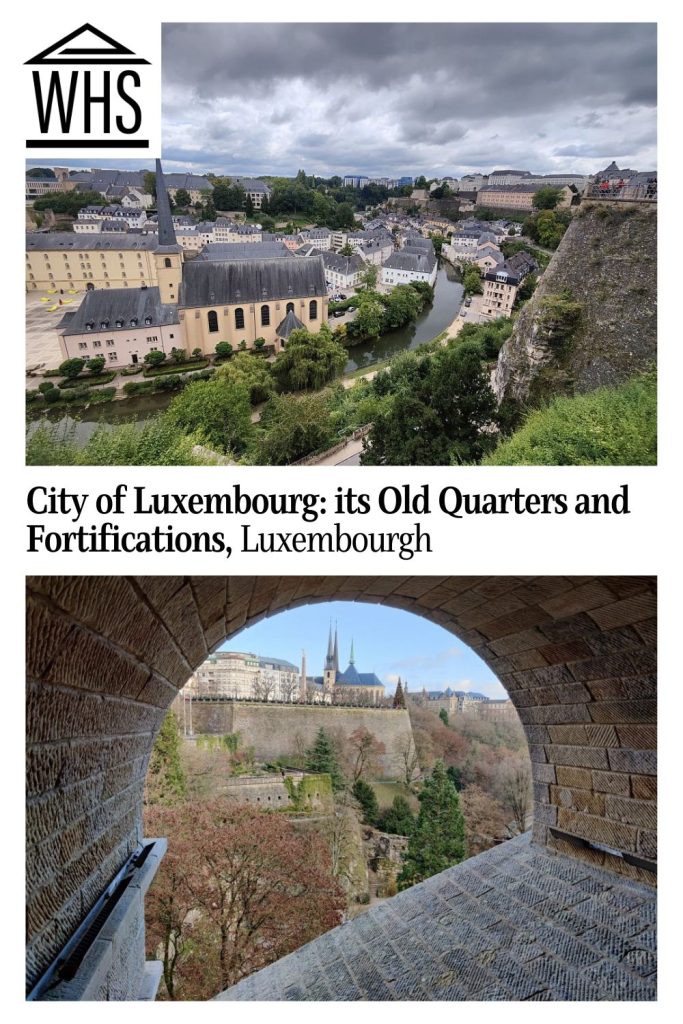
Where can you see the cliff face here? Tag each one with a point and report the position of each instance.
(592, 319)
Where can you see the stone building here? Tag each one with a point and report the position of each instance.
(201, 302)
(502, 282)
(518, 197)
(245, 676)
(349, 686)
(62, 259)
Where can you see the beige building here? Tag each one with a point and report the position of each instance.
(518, 197)
(501, 284)
(178, 304)
(67, 261)
(37, 187)
(246, 676)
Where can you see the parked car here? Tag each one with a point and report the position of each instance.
(338, 312)
(468, 302)
(342, 297)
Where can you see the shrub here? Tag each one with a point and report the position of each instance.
(178, 355)
(608, 427)
(168, 382)
(259, 344)
(223, 349)
(34, 395)
(96, 365)
(52, 396)
(242, 346)
(71, 367)
(155, 357)
(197, 353)
(46, 386)
(137, 387)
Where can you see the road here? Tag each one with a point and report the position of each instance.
(349, 455)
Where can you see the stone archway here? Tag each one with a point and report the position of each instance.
(106, 656)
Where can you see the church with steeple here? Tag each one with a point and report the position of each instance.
(349, 686)
(194, 303)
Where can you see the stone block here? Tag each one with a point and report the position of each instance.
(643, 787)
(637, 762)
(626, 612)
(599, 830)
(633, 812)
(577, 757)
(580, 778)
(638, 737)
(611, 782)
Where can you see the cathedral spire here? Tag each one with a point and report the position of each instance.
(352, 659)
(165, 220)
(329, 659)
(336, 649)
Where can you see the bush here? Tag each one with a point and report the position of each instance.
(35, 395)
(168, 382)
(178, 355)
(259, 344)
(608, 427)
(197, 353)
(223, 349)
(155, 357)
(71, 367)
(242, 346)
(96, 365)
(91, 382)
(52, 396)
(137, 387)
(158, 371)
(46, 386)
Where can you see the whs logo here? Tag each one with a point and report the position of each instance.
(89, 93)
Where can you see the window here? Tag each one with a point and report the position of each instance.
(97, 344)
(212, 320)
(265, 316)
(239, 318)
(112, 356)
(109, 342)
(289, 307)
(82, 345)
(154, 337)
(167, 261)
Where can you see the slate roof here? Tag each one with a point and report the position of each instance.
(69, 240)
(290, 323)
(243, 251)
(346, 265)
(120, 304)
(352, 677)
(214, 282)
(416, 262)
(513, 923)
(188, 181)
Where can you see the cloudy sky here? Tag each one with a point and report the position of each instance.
(383, 99)
(387, 641)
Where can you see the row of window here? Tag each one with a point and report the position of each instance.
(212, 316)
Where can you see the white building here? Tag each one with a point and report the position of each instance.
(226, 230)
(136, 199)
(131, 218)
(246, 676)
(343, 271)
(416, 261)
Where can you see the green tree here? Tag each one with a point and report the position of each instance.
(166, 782)
(155, 357)
(321, 758)
(459, 390)
(438, 841)
(223, 349)
(547, 198)
(183, 198)
(402, 305)
(399, 700)
(369, 276)
(150, 183)
(398, 819)
(255, 374)
(178, 355)
(455, 775)
(347, 249)
(96, 365)
(309, 360)
(249, 206)
(471, 281)
(443, 715)
(369, 320)
(293, 426)
(365, 795)
(217, 410)
(71, 368)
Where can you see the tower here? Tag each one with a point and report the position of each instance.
(302, 681)
(168, 255)
(331, 663)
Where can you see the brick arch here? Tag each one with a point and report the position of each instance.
(106, 656)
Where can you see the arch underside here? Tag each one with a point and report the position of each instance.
(107, 655)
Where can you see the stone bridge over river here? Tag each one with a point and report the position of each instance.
(567, 913)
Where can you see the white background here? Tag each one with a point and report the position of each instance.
(647, 541)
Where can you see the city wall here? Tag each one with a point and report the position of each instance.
(287, 730)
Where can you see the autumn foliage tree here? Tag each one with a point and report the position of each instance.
(237, 890)
(365, 752)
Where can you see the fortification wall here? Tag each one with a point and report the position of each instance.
(287, 730)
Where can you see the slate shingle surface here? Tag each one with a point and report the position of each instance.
(514, 923)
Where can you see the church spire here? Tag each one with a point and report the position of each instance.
(329, 659)
(352, 659)
(165, 220)
(336, 649)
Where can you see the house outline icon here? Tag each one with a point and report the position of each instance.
(112, 53)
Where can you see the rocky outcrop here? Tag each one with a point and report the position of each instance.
(592, 319)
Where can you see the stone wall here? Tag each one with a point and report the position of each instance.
(608, 261)
(282, 730)
(105, 656)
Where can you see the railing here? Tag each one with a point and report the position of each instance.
(622, 191)
(324, 453)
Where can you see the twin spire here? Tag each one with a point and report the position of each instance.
(332, 658)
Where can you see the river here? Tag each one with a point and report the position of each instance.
(448, 294)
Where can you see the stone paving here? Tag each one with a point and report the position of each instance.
(514, 923)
